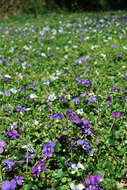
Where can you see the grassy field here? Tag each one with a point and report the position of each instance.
(63, 102)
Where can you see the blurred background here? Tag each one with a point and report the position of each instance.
(35, 7)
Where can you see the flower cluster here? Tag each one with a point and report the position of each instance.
(86, 82)
(92, 183)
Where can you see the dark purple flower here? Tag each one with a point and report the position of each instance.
(38, 168)
(6, 80)
(29, 157)
(48, 149)
(12, 132)
(69, 163)
(87, 82)
(86, 145)
(120, 55)
(8, 185)
(115, 88)
(71, 117)
(19, 180)
(19, 108)
(69, 112)
(9, 164)
(108, 97)
(125, 76)
(62, 98)
(93, 181)
(57, 116)
(117, 114)
(2, 143)
(23, 109)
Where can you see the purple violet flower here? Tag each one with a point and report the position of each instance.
(48, 149)
(115, 88)
(85, 144)
(108, 97)
(125, 76)
(76, 100)
(2, 143)
(19, 180)
(9, 164)
(29, 157)
(107, 104)
(120, 55)
(38, 168)
(13, 132)
(90, 100)
(8, 185)
(69, 163)
(117, 114)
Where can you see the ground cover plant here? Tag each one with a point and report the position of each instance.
(63, 102)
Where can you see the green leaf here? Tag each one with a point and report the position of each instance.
(27, 187)
(60, 173)
(57, 147)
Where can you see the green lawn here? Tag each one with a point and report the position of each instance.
(63, 102)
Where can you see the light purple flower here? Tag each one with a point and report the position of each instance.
(8, 185)
(2, 143)
(76, 100)
(90, 100)
(117, 114)
(80, 141)
(19, 180)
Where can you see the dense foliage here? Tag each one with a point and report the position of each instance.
(63, 102)
(41, 6)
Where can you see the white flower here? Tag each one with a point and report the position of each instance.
(68, 97)
(79, 165)
(43, 55)
(77, 187)
(7, 76)
(66, 56)
(103, 55)
(124, 47)
(20, 76)
(36, 122)
(80, 111)
(52, 97)
(32, 96)
(1, 93)
(54, 77)
(28, 147)
(26, 48)
(58, 72)
(76, 167)
(13, 90)
(23, 65)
